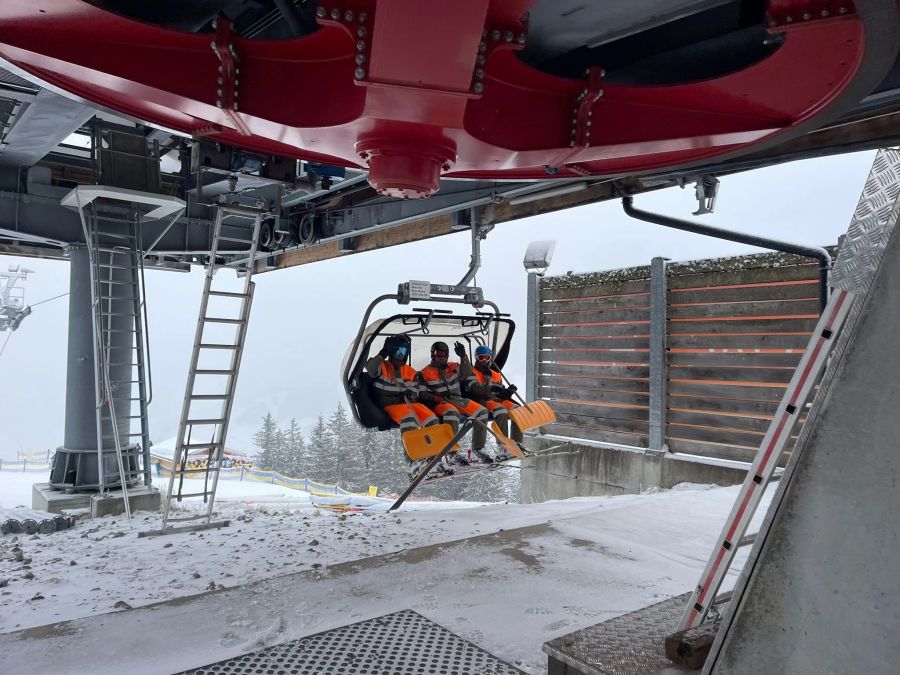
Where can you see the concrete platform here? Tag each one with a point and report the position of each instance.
(45, 498)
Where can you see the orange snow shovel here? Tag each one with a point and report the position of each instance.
(426, 442)
(529, 415)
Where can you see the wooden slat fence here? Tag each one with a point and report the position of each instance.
(735, 330)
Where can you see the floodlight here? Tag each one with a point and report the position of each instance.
(538, 256)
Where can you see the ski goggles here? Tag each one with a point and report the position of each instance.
(401, 351)
(483, 358)
(441, 355)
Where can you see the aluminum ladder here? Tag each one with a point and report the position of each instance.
(121, 353)
(734, 534)
(210, 389)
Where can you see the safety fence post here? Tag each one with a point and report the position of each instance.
(658, 377)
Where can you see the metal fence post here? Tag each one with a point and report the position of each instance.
(658, 378)
(532, 341)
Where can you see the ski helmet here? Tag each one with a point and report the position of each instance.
(440, 347)
(483, 350)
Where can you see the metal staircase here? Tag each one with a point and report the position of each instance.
(121, 355)
(212, 379)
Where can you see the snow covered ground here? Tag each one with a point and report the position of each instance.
(505, 576)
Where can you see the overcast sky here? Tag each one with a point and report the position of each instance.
(305, 317)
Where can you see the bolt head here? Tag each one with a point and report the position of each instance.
(495, 34)
(359, 73)
(360, 59)
(842, 10)
(348, 15)
(335, 14)
(219, 80)
(825, 12)
(218, 92)
(480, 59)
(482, 47)
(508, 36)
(320, 12)
(361, 31)
(521, 38)
(807, 16)
(479, 73)
(479, 87)
(361, 45)
(362, 17)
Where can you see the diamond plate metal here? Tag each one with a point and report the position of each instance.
(632, 644)
(402, 643)
(872, 223)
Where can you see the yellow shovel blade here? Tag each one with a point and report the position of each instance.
(506, 442)
(531, 415)
(428, 441)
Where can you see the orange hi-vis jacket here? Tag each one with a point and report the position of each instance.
(391, 384)
(445, 383)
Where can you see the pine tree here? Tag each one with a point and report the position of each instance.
(320, 451)
(295, 450)
(343, 465)
(265, 439)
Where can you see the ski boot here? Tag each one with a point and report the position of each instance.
(483, 455)
(461, 457)
(443, 468)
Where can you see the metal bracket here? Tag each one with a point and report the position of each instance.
(706, 190)
(227, 74)
(584, 108)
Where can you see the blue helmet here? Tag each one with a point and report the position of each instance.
(483, 350)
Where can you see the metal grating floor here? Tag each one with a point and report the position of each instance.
(402, 643)
(631, 644)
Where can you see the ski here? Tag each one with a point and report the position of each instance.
(475, 467)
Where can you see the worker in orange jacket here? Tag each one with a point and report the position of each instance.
(439, 389)
(485, 386)
(396, 391)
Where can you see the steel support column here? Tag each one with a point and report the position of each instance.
(658, 288)
(532, 339)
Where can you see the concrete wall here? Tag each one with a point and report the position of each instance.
(823, 595)
(582, 470)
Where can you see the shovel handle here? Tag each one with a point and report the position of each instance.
(508, 383)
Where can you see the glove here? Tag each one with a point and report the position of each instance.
(512, 389)
(391, 343)
(385, 352)
(498, 391)
(459, 349)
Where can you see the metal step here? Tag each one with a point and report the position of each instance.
(209, 397)
(229, 294)
(205, 422)
(213, 371)
(216, 345)
(218, 319)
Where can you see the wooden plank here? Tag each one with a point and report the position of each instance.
(604, 411)
(607, 342)
(748, 341)
(717, 450)
(596, 372)
(596, 290)
(595, 396)
(563, 318)
(592, 384)
(745, 276)
(598, 330)
(714, 435)
(606, 423)
(726, 390)
(747, 325)
(720, 421)
(734, 309)
(638, 440)
(790, 290)
(633, 300)
(748, 359)
(722, 404)
(595, 355)
(735, 375)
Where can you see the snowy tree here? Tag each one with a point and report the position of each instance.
(320, 451)
(296, 463)
(266, 442)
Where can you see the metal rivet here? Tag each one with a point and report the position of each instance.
(335, 14)
(588, 122)
(521, 39)
(235, 105)
(807, 16)
(218, 92)
(362, 17)
(320, 12)
(482, 47)
(789, 18)
(495, 34)
(480, 59)
(361, 45)
(219, 80)
(508, 36)
(825, 12)
(360, 59)
(479, 73)
(479, 87)
(236, 93)
(843, 10)
(361, 31)
(359, 73)
(237, 71)
(348, 15)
